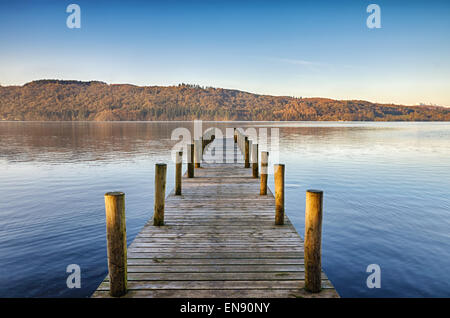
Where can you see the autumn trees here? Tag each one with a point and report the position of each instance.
(74, 100)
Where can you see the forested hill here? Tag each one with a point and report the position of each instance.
(73, 100)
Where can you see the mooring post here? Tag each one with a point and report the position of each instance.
(178, 167)
(235, 135)
(116, 239)
(198, 152)
(264, 165)
(190, 160)
(247, 153)
(255, 160)
(160, 193)
(279, 194)
(313, 240)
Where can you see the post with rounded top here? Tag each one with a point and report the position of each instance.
(197, 152)
(116, 238)
(255, 160)
(247, 153)
(235, 135)
(178, 167)
(279, 194)
(264, 163)
(160, 193)
(190, 160)
(313, 240)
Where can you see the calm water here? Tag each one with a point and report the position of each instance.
(386, 199)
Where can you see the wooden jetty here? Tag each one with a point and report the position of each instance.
(219, 239)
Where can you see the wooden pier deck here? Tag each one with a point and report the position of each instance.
(219, 240)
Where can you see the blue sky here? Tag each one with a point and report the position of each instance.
(296, 48)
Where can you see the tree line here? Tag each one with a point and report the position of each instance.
(75, 101)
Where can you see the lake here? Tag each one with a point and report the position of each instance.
(386, 199)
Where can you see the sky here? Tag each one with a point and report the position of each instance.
(294, 48)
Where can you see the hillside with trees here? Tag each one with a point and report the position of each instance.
(75, 101)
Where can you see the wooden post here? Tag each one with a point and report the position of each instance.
(255, 160)
(160, 193)
(313, 240)
(264, 163)
(279, 194)
(116, 238)
(247, 153)
(178, 167)
(190, 160)
(235, 135)
(197, 152)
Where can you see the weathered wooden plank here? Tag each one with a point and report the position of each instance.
(216, 284)
(224, 293)
(163, 268)
(230, 249)
(276, 276)
(216, 255)
(221, 261)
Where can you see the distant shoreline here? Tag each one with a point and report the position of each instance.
(54, 100)
(225, 121)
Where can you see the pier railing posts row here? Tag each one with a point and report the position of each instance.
(115, 210)
(313, 209)
(116, 239)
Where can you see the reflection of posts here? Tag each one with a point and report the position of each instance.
(160, 193)
(116, 238)
(264, 165)
(313, 239)
(279, 194)
(178, 167)
(190, 158)
(255, 160)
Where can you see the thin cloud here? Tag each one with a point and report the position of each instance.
(298, 62)
(312, 65)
